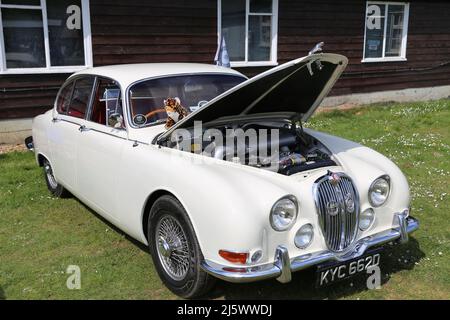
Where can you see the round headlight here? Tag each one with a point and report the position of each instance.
(366, 219)
(284, 213)
(304, 236)
(379, 191)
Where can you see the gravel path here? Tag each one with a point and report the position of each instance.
(5, 148)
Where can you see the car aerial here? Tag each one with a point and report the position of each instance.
(237, 189)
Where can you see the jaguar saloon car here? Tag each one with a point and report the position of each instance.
(212, 205)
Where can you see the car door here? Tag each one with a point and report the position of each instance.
(100, 147)
(69, 116)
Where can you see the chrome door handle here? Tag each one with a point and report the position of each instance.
(83, 128)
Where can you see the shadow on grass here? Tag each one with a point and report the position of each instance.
(2, 294)
(394, 258)
(302, 286)
(138, 244)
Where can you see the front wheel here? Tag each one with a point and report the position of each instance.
(53, 186)
(175, 250)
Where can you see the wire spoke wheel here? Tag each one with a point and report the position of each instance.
(172, 247)
(50, 177)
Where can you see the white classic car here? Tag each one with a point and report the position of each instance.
(207, 203)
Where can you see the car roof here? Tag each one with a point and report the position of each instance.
(127, 74)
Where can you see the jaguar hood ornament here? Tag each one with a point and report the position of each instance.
(334, 178)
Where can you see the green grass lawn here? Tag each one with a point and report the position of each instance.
(41, 236)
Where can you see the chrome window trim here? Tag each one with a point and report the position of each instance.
(97, 78)
(58, 94)
(73, 80)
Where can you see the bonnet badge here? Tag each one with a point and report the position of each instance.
(334, 178)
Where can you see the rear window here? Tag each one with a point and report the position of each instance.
(146, 98)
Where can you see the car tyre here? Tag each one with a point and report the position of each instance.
(175, 250)
(53, 186)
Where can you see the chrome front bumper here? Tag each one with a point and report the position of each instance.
(283, 266)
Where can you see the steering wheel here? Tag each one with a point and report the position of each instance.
(151, 113)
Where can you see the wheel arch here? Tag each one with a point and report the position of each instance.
(40, 159)
(155, 195)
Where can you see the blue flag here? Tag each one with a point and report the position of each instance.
(222, 58)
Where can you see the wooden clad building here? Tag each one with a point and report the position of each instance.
(391, 45)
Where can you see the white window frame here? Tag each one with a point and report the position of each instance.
(49, 69)
(273, 48)
(402, 56)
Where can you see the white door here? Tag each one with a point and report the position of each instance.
(99, 154)
(71, 108)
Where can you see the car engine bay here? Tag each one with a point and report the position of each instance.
(281, 147)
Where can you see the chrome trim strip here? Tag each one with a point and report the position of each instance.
(284, 266)
(107, 133)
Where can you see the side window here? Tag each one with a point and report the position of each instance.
(80, 97)
(107, 105)
(63, 100)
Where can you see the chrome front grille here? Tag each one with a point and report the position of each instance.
(337, 204)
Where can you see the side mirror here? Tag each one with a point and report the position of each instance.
(115, 120)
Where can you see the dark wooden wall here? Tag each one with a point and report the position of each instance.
(136, 31)
(340, 24)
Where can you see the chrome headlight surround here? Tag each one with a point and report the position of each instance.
(379, 191)
(284, 213)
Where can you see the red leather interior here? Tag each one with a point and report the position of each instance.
(98, 109)
(75, 113)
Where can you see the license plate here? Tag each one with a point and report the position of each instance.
(328, 274)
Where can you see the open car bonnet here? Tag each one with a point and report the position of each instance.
(298, 86)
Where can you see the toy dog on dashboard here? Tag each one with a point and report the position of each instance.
(175, 111)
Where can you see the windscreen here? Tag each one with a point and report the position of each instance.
(146, 98)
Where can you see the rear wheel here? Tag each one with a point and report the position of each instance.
(175, 250)
(53, 186)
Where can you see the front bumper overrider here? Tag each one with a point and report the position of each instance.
(283, 266)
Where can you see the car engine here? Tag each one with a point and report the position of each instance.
(283, 148)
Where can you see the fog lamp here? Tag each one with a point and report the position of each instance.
(304, 236)
(366, 219)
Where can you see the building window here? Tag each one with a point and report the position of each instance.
(386, 31)
(39, 36)
(250, 29)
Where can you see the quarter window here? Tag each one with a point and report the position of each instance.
(44, 36)
(81, 97)
(62, 103)
(386, 31)
(249, 28)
